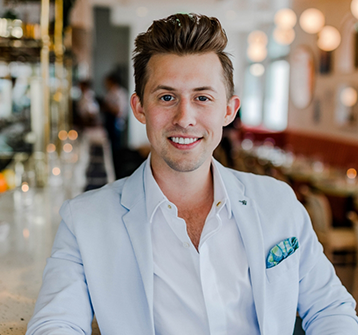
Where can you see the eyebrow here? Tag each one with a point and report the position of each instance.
(197, 89)
(204, 88)
(163, 87)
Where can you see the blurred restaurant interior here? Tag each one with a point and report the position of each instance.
(296, 72)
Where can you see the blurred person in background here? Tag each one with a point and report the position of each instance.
(88, 109)
(115, 109)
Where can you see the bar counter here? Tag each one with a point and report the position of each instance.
(26, 237)
(28, 225)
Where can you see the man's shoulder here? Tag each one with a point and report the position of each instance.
(266, 191)
(256, 183)
(108, 190)
(95, 200)
(122, 193)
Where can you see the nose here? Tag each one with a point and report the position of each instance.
(185, 114)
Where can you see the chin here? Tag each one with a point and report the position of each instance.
(184, 165)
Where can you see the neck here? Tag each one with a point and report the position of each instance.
(193, 189)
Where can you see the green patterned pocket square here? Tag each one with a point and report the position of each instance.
(281, 251)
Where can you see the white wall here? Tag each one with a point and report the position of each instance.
(337, 13)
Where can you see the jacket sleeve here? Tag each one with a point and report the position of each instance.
(324, 304)
(63, 305)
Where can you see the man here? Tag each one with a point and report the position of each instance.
(87, 106)
(115, 108)
(184, 245)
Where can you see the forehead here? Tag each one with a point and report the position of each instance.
(187, 70)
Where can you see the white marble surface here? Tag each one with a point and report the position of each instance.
(23, 252)
(28, 224)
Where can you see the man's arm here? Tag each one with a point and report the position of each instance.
(327, 307)
(324, 304)
(63, 305)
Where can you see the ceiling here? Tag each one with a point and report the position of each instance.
(235, 15)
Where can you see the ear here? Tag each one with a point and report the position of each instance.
(231, 109)
(137, 108)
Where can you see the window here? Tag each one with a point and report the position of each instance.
(266, 90)
(251, 110)
(276, 95)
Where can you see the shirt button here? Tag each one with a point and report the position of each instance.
(170, 207)
(186, 245)
(218, 204)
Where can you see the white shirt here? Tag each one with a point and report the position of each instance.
(205, 292)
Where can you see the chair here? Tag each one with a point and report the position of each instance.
(333, 239)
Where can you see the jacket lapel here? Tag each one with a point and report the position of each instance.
(139, 231)
(247, 219)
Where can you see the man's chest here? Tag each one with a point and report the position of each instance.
(195, 221)
(208, 285)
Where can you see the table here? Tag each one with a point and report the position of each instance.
(300, 171)
(28, 224)
(26, 237)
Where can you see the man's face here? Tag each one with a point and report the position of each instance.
(184, 108)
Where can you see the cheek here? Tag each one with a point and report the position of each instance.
(159, 120)
(217, 131)
(216, 127)
(154, 126)
(218, 135)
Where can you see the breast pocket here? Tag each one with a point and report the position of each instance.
(286, 270)
(282, 291)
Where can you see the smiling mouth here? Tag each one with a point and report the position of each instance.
(184, 140)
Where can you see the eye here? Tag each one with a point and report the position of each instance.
(167, 97)
(202, 98)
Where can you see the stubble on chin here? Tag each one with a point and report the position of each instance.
(185, 163)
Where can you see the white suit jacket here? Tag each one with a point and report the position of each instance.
(102, 263)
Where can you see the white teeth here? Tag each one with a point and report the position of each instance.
(182, 140)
